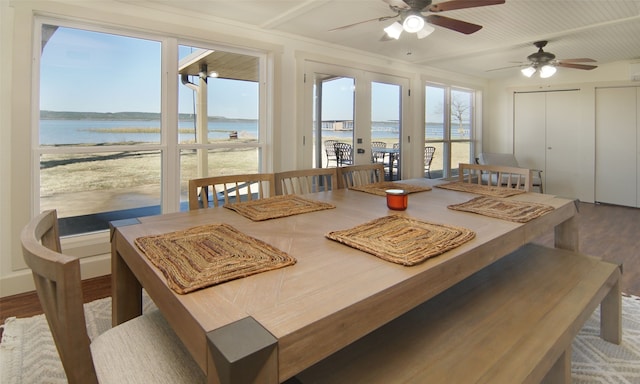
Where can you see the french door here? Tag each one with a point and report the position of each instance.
(355, 107)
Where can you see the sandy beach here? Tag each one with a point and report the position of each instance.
(78, 184)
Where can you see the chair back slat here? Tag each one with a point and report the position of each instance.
(231, 188)
(497, 176)
(357, 175)
(305, 181)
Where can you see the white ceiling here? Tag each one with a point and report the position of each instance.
(604, 30)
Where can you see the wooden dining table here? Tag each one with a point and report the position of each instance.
(268, 327)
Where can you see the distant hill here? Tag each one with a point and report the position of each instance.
(64, 115)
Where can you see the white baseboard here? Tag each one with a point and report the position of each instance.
(22, 281)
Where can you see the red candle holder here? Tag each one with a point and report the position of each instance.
(397, 199)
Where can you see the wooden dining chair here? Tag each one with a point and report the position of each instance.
(357, 175)
(142, 350)
(232, 188)
(496, 176)
(305, 181)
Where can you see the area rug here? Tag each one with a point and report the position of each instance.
(28, 354)
(277, 206)
(401, 239)
(211, 254)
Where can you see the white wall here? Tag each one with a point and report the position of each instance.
(498, 131)
(288, 53)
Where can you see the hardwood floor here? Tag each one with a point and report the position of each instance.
(607, 231)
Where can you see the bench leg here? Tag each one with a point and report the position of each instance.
(611, 315)
(560, 373)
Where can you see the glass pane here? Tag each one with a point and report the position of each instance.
(460, 153)
(336, 114)
(437, 164)
(98, 88)
(225, 161)
(223, 87)
(434, 113)
(461, 102)
(91, 189)
(385, 126)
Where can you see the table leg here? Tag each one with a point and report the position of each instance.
(242, 352)
(561, 370)
(611, 315)
(126, 291)
(566, 235)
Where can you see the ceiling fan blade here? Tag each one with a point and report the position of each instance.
(577, 66)
(462, 4)
(397, 4)
(383, 18)
(501, 68)
(583, 60)
(453, 24)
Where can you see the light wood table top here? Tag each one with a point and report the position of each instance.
(333, 295)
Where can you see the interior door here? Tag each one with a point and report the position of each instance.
(548, 137)
(564, 166)
(530, 118)
(616, 146)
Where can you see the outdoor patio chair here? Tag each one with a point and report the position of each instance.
(232, 188)
(142, 350)
(330, 151)
(344, 153)
(377, 157)
(428, 158)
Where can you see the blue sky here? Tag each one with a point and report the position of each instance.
(97, 72)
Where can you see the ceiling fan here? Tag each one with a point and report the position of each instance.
(411, 18)
(546, 63)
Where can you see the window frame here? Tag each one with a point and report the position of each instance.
(96, 243)
(447, 141)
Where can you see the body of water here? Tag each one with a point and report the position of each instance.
(61, 132)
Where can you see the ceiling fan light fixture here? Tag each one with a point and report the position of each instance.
(394, 30)
(547, 71)
(529, 71)
(413, 23)
(425, 31)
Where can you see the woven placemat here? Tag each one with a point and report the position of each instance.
(380, 188)
(487, 190)
(207, 255)
(402, 240)
(518, 211)
(277, 206)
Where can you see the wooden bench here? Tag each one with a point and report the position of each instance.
(495, 175)
(512, 322)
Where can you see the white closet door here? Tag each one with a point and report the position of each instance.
(617, 146)
(638, 147)
(529, 130)
(565, 168)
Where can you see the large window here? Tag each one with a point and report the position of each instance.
(449, 127)
(109, 145)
